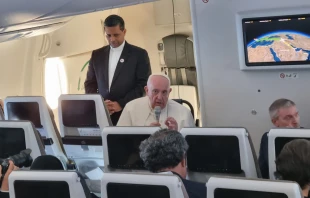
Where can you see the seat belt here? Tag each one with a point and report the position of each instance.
(183, 189)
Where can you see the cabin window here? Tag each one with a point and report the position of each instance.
(55, 81)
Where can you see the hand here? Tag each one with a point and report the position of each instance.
(113, 106)
(116, 107)
(154, 124)
(109, 106)
(5, 182)
(171, 123)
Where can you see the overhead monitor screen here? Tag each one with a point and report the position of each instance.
(281, 141)
(124, 151)
(41, 189)
(25, 111)
(117, 190)
(283, 40)
(12, 141)
(228, 193)
(219, 154)
(79, 113)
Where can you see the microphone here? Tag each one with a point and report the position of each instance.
(157, 111)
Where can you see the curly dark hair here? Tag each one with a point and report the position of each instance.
(164, 149)
(294, 161)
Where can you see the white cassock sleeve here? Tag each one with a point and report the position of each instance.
(125, 119)
(189, 120)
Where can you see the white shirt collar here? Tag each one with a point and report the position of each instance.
(119, 48)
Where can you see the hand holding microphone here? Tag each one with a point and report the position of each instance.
(157, 112)
(170, 122)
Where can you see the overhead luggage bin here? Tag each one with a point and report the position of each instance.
(21, 19)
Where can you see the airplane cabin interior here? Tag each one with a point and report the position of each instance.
(207, 99)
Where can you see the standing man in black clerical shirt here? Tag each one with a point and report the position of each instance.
(118, 71)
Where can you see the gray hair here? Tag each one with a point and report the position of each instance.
(293, 162)
(276, 105)
(163, 149)
(158, 74)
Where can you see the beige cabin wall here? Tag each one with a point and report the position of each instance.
(21, 69)
(84, 33)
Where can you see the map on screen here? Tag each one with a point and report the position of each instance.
(277, 41)
(280, 46)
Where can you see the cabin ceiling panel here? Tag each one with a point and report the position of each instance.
(20, 11)
(81, 7)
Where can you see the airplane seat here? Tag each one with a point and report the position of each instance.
(81, 120)
(37, 184)
(181, 101)
(56, 128)
(115, 185)
(227, 187)
(177, 60)
(277, 138)
(17, 136)
(36, 110)
(121, 148)
(220, 151)
(50, 162)
(183, 187)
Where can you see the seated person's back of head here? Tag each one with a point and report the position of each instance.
(283, 114)
(165, 150)
(293, 164)
(47, 162)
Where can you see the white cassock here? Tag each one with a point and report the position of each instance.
(139, 113)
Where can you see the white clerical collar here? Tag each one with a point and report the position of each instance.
(119, 48)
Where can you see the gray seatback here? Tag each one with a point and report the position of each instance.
(179, 60)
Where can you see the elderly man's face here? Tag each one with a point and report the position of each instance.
(158, 91)
(287, 117)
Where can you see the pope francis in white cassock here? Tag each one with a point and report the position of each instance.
(140, 112)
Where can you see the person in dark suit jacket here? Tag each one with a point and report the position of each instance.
(118, 71)
(283, 114)
(165, 150)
